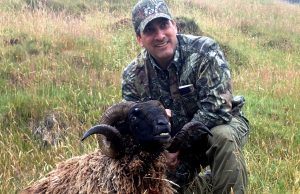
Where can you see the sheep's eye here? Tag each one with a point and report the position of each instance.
(133, 118)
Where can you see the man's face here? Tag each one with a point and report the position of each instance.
(159, 39)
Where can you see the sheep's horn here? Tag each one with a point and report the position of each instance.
(195, 125)
(117, 112)
(112, 142)
(108, 131)
(193, 130)
(114, 114)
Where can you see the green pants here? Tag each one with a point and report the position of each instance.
(226, 159)
(228, 169)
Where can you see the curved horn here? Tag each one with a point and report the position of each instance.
(116, 112)
(191, 129)
(112, 142)
(112, 115)
(108, 131)
(195, 125)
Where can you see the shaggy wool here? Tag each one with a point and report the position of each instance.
(96, 173)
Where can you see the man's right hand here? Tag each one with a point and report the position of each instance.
(172, 159)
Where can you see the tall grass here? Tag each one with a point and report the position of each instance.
(66, 57)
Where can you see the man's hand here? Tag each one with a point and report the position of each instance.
(169, 112)
(172, 159)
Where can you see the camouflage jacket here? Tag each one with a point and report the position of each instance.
(199, 63)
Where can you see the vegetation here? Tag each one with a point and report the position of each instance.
(65, 58)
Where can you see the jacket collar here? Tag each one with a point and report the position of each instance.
(177, 59)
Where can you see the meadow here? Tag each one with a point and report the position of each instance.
(61, 63)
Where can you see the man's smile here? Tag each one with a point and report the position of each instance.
(161, 44)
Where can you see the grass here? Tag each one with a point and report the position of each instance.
(65, 58)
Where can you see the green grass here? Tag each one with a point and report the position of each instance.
(66, 57)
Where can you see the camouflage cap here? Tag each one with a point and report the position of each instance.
(147, 10)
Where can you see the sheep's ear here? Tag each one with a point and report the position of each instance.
(111, 145)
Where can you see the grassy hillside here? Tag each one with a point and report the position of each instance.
(60, 67)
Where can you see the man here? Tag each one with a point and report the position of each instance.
(191, 77)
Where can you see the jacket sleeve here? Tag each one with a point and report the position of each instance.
(129, 90)
(213, 84)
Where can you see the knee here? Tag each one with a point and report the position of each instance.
(222, 134)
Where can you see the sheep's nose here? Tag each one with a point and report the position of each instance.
(163, 126)
(162, 122)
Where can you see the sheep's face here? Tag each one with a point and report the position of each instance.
(149, 124)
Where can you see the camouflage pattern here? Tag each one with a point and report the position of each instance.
(197, 61)
(147, 10)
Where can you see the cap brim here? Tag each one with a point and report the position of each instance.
(152, 17)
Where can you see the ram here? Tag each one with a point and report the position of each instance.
(134, 137)
(131, 160)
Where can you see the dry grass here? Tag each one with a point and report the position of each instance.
(280, 82)
(226, 14)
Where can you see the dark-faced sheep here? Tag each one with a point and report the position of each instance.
(131, 160)
(135, 135)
